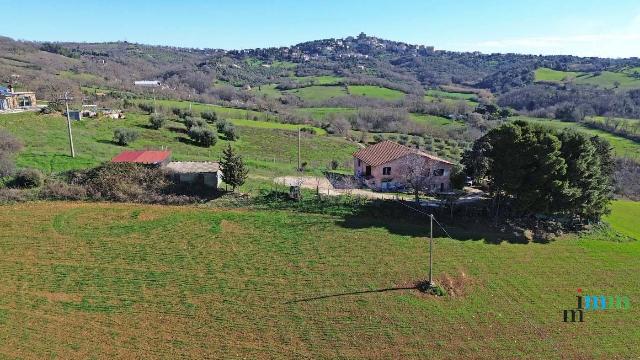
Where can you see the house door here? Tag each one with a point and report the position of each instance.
(3, 104)
(367, 171)
(441, 187)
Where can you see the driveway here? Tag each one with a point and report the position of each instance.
(325, 187)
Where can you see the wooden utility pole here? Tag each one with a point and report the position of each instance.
(66, 103)
(299, 166)
(431, 251)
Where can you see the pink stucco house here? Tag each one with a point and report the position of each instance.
(383, 166)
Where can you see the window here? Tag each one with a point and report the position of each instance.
(24, 101)
(438, 172)
(386, 170)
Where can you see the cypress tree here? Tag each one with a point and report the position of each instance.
(234, 171)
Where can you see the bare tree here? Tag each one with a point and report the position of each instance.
(414, 170)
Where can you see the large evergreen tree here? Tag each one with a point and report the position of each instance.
(544, 172)
(234, 171)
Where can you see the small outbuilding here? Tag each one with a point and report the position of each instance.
(205, 173)
(12, 100)
(147, 157)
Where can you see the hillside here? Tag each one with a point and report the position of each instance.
(354, 71)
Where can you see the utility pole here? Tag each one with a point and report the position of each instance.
(66, 103)
(299, 167)
(431, 252)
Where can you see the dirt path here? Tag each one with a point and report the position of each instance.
(325, 187)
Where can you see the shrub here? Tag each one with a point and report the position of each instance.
(190, 122)
(308, 130)
(229, 132)
(220, 124)
(28, 178)
(334, 164)
(9, 143)
(378, 138)
(209, 116)
(146, 107)
(121, 182)
(157, 121)
(11, 195)
(203, 136)
(58, 190)
(124, 137)
(7, 166)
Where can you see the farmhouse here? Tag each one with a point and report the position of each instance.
(205, 173)
(384, 166)
(11, 100)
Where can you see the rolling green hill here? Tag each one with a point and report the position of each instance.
(269, 148)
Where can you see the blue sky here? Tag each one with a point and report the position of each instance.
(587, 28)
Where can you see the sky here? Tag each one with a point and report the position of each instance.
(578, 27)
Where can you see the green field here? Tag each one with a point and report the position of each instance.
(625, 217)
(375, 92)
(436, 121)
(322, 113)
(605, 79)
(550, 75)
(268, 147)
(269, 91)
(84, 280)
(318, 93)
(319, 80)
(451, 95)
(224, 112)
(623, 147)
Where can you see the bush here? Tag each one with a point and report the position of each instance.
(7, 166)
(120, 182)
(203, 136)
(157, 121)
(146, 107)
(11, 196)
(229, 132)
(378, 138)
(308, 130)
(58, 190)
(209, 116)
(220, 124)
(124, 137)
(334, 164)
(190, 122)
(28, 178)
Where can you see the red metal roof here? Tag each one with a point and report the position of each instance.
(142, 157)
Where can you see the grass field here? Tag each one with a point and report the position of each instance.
(224, 112)
(624, 218)
(546, 74)
(376, 92)
(433, 120)
(622, 146)
(84, 280)
(605, 79)
(321, 113)
(319, 80)
(268, 147)
(451, 95)
(318, 93)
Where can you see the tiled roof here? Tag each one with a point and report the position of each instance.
(385, 151)
(191, 167)
(142, 157)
